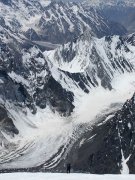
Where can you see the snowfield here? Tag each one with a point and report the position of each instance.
(51, 176)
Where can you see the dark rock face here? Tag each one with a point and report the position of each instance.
(7, 2)
(6, 122)
(32, 35)
(101, 150)
(59, 99)
(131, 39)
(6, 125)
(27, 77)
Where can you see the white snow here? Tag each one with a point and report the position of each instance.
(1, 81)
(91, 138)
(129, 125)
(18, 78)
(108, 117)
(71, 25)
(92, 104)
(40, 133)
(125, 168)
(79, 62)
(124, 165)
(45, 2)
(46, 129)
(88, 107)
(82, 62)
(82, 142)
(55, 176)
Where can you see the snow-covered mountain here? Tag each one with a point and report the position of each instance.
(109, 147)
(37, 22)
(45, 92)
(121, 14)
(101, 3)
(96, 59)
(48, 99)
(120, 11)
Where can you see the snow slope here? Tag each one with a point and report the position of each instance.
(38, 121)
(42, 176)
(39, 132)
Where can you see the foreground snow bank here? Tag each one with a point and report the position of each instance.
(53, 176)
